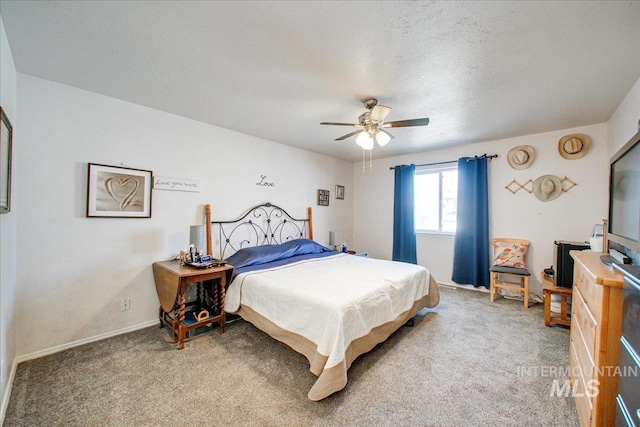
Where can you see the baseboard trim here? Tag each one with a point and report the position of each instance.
(447, 285)
(7, 391)
(83, 341)
(533, 298)
(459, 286)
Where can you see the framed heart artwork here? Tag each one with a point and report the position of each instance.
(118, 192)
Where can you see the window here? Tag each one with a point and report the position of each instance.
(436, 192)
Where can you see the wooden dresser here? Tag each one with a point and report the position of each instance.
(596, 327)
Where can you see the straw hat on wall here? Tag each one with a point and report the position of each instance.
(521, 157)
(574, 146)
(547, 187)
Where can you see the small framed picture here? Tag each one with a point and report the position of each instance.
(118, 192)
(323, 197)
(340, 192)
(5, 163)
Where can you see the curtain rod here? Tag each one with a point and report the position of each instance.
(493, 156)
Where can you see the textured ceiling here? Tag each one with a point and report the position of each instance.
(479, 70)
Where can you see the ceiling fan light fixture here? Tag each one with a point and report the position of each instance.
(368, 144)
(361, 140)
(383, 138)
(373, 125)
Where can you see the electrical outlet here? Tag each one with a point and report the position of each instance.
(125, 304)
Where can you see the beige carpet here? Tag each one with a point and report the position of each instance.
(465, 362)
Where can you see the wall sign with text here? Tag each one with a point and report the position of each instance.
(176, 184)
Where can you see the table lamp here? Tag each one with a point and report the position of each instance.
(333, 239)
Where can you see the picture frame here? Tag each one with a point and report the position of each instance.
(118, 192)
(323, 197)
(6, 142)
(340, 192)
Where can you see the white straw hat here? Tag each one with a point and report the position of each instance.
(547, 187)
(521, 157)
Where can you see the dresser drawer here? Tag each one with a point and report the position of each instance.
(584, 406)
(584, 323)
(581, 366)
(591, 293)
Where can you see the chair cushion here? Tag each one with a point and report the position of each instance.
(510, 270)
(509, 254)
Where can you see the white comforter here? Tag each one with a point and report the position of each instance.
(331, 301)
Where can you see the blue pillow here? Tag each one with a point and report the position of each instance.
(269, 253)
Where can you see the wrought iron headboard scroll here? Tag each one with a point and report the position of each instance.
(264, 224)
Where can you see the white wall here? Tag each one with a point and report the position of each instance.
(73, 271)
(625, 121)
(8, 101)
(569, 217)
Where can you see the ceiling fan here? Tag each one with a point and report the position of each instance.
(372, 126)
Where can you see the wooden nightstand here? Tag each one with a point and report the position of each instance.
(171, 284)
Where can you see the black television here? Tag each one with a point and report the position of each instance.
(624, 196)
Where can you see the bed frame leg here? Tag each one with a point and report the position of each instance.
(410, 323)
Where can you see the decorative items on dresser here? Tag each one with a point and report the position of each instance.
(594, 350)
(628, 398)
(172, 279)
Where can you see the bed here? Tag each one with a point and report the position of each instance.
(331, 307)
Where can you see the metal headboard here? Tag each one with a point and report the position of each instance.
(264, 224)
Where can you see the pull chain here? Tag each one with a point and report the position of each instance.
(364, 160)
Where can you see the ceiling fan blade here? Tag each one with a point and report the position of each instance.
(339, 124)
(348, 135)
(379, 112)
(406, 123)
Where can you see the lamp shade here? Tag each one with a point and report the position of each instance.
(383, 138)
(333, 238)
(368, 143)
(196, 236)
(362, 138)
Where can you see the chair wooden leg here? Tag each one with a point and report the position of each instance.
(492, 288)
(526, 291)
